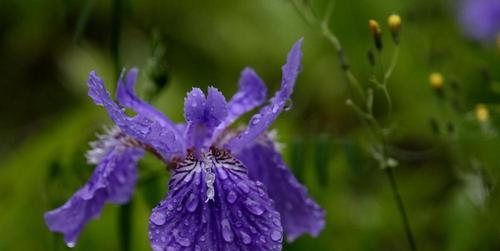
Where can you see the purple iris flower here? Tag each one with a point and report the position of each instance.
(229, 189)
(481, 19)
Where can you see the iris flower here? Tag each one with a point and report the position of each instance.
(480, 19)
(229, 189)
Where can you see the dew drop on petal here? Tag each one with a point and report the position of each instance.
(245, 237)
(227, 233)
(158, 218)
(276, 236)
(244, 187)
(70, 244)
(192, 203)
(231, 197)
(185, 242)
(254, 207)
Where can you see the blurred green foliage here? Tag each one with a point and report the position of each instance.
(447, 179)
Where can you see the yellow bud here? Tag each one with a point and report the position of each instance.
(394, 22)
(436, 80)
(482, 113)
(374, 27)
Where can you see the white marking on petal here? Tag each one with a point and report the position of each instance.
(105, 142)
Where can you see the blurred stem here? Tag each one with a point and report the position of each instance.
(82, 20)
(401, 207)
(116, 20)
(125, 226)
(125, 213)
(330, 36)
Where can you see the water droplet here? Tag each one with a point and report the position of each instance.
(192, 203)
(194, 105)
(276, 107)
(70, 244)
(288, 105)
(276, 236)
(255, 119)
(227, 233)
(245, 237)
(231, 197)
(158, 218)
(254, 207)
(185, 242)
(244, 187)
(222, 174)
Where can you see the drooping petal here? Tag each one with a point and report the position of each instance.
(203, 115)
(299, 213)
(252, 92)
(268, 114)
(113, 181)
(126, 96)
(212, 205)
(143, 129)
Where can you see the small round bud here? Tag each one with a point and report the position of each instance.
(482, 113)
(436, 80)
(394, 22)
(374, 27)
(376, 32)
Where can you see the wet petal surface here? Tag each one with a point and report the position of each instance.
(113, 181)
(299, 213)
(143, 129)
(261, 121)
(212, 205)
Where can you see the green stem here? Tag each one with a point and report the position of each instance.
(401, 208)
(116, 20)
(125, 226)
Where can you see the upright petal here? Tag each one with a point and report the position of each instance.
(113, 181)
(203, 115)
(252, 92)
(126, 96)
(268, 114)
(143, 129)
(212, 205)
(299, 213)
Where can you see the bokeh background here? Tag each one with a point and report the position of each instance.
(448, 161)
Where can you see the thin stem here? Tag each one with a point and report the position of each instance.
(116, 20)
(125, 226)
(125, 212)
(401, 208)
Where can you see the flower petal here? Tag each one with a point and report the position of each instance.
(266, 116)
(145, 130)
(252, 93)
(113, 181)
(299, 213)
(126, 96)
(213, 205)
(203, 115)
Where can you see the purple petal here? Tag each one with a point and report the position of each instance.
(252, 93)
(194, 106)
(113, 181)
(212, 205)
(145, 130)
(481, 19)
(203, 115)
(126, 96)
(299, 213)
(216, 110)
(268, 114)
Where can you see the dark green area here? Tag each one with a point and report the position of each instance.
(447, 176)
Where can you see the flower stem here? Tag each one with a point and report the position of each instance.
(401, 208)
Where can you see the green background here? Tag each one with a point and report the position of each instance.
(448, 180)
